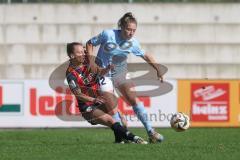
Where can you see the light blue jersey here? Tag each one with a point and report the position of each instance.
(113, 49)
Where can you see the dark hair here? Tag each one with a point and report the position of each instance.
(70, 48)
(125, 19)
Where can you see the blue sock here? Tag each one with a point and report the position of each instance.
(117, 118)
(141, 113)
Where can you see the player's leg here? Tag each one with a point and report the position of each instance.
(97, 116)
(107, 91)
(129, 94)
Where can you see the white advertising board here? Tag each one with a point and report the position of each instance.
(33, 104)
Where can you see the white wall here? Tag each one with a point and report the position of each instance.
(192, 40)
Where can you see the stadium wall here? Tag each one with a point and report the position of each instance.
(193, 40)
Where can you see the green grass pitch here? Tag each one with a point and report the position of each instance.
(97, 143)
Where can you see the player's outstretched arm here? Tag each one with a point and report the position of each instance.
(91, 57)
(82, 97)
(89, 51)
(85, 98)
(151, 61)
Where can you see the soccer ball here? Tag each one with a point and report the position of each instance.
(180, 122)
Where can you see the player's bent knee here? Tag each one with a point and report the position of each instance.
(132, 102)
(112, 112)
(106, 120)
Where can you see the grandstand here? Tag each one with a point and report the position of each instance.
(119, 1)
(192, 40)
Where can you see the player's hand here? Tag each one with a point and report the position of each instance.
(99, 100)
(109, 67)
(104, 71)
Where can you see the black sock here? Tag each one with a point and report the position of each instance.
(118, 136)
(121, 132)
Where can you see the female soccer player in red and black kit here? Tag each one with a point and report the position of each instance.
(84, 84)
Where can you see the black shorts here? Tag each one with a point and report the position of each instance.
(86, 108)
(86, 111)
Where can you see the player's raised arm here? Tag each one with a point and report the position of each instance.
(93, 42)
(90, 55)
(89, 52)
(151, 61)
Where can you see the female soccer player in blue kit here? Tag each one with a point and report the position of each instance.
(115, 44)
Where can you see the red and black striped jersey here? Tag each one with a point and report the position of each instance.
(82, 78)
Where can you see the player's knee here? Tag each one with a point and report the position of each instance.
(132, 101)
(113, 111)
(108, 120)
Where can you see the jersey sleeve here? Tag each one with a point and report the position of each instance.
(99, 39)
(137, 50)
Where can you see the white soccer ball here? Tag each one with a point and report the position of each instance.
(180, 122)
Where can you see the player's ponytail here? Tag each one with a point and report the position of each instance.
(125, 19)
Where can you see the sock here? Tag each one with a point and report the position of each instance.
(120, 132)
(141, 113)
(117, 118)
